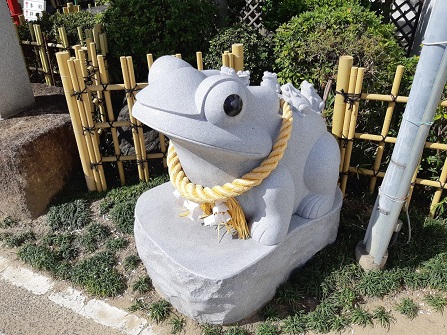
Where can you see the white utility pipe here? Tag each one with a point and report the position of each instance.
(428, 84)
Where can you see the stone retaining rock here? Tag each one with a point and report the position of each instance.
(37, 155)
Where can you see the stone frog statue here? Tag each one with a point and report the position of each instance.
(222, 128)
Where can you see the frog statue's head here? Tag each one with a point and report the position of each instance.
(212, 116)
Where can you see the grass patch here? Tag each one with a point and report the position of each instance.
(142, 285)
(16, 240)
(94, 236)
(437, 302)
(159, 311)
(177, 325)
(7, 222)
(98, 275)
(383, 317)
(131, 262)
(408, 308)
(116, 244)
(120, 203)
(267, 328)
(207, 329)
(69, 216)
(294, 324)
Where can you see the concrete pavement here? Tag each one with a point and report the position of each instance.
(31, 303)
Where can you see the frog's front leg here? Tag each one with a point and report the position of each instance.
(269, 207)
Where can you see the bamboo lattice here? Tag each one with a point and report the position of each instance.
(348, 95)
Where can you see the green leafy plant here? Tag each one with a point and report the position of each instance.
(98, 275)
(7, 222)
(309, 45)
(16, 240)
(69, 216)
(294, 324)
(258, 50)
(436, 301)
(115, 244)
(408, 308)
(95, 235)
(267, 328)
(177, 325)
(159, 311)
(207, 329)
(383, 316)
(270, 312)
(361, 317)
(142, 285)
(136, 28)
(131, 262)
(138, 305)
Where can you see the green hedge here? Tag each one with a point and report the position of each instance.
(161, 27)
(258, 50)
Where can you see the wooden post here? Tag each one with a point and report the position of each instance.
(344, 70)
(438, 193)
(80, 36)
(226, 59)
(62, 59)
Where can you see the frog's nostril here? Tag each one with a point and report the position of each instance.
(233, 105)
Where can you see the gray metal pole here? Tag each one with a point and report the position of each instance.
(428, 83)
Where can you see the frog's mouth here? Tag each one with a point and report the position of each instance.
(251, 141)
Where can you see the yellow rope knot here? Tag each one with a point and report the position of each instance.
(206, 196)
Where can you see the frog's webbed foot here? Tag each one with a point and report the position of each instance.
(269, 232)
(315, 205)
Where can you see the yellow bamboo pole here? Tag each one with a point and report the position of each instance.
(103, 44)
(381, 174)
(87, 131)
(70, 8)
(344, 70)
(178, 56)
(65, 10)
(390, 139)
(226, 59)
(43, 55)
(22, 20)
(34, 42)
(108, 101)
(97, 80)
(125, 71)
(133, 83)
(346, 118)
(386, 125)
(352, 125)
(438, 193)
(88, 40)
(97, 29)
(80, 36)
(150, 61)
(238, 56)
(63, 37)
(91, 130)
(109, 159)
(77, 8)
(62, 59)
(231, 60)
(199, 61)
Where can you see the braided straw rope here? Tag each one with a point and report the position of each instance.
(227, 192)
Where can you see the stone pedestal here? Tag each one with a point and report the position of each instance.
(220, 281)
(15, 88)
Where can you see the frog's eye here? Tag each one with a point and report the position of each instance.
(221, 100)
(233, 105)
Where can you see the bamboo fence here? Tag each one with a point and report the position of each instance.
(346, 107)
(44, 51)
(86, 85)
